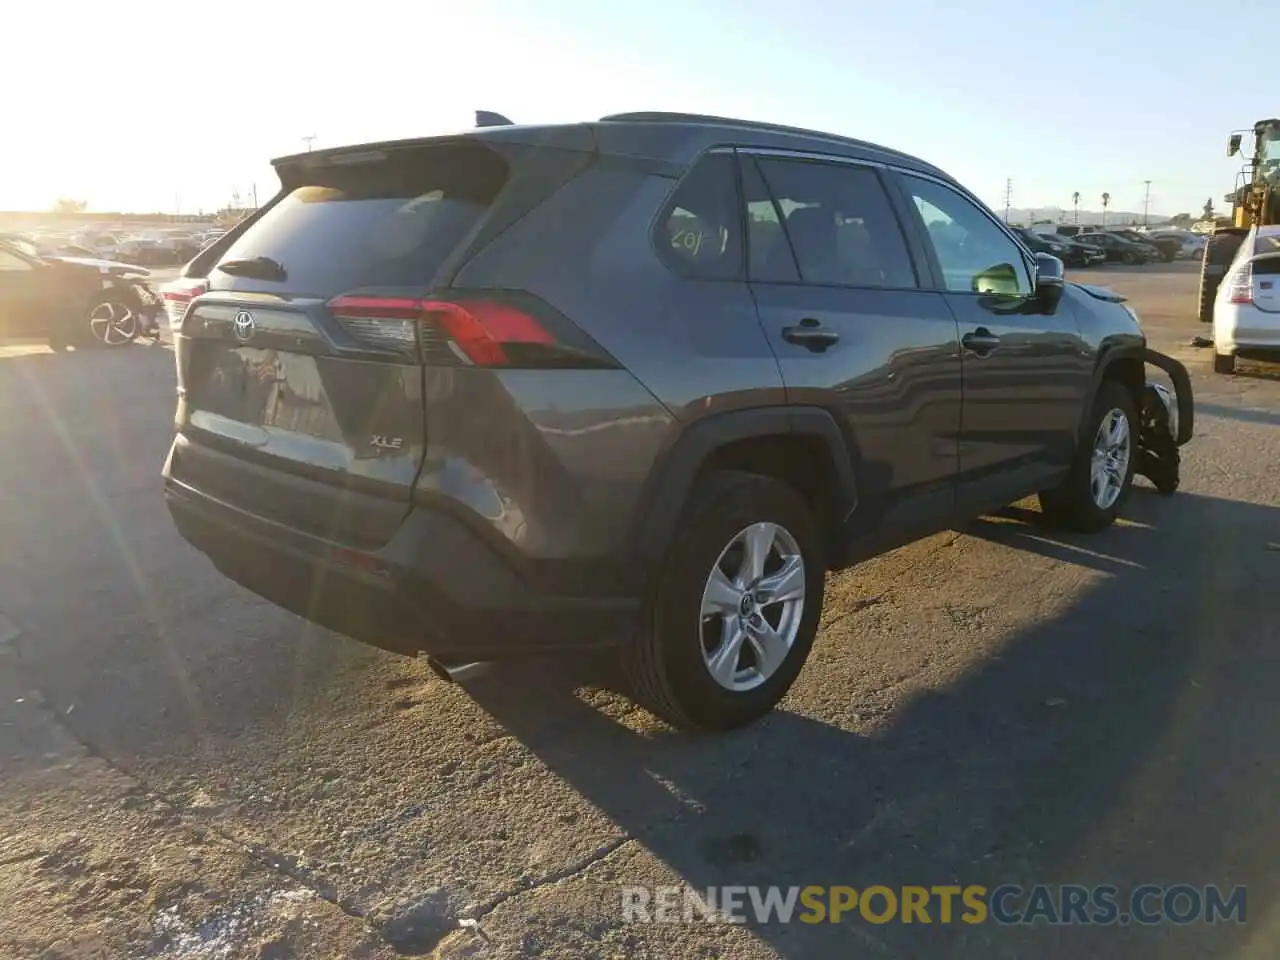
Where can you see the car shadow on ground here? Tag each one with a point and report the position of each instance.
(1095, 748)
(1269, 418)
(1255, 370)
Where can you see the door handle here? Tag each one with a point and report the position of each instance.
(981, 341)
(810, 334)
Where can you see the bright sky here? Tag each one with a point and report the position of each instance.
(161, 105)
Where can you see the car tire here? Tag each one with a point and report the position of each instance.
(688, 621)
(1224, 363)
(1078, 503)
(1129, 257)
(1219, 251)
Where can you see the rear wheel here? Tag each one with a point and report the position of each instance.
(735, 613)
(1101, 475)
(1219, 251)
(1224, 363)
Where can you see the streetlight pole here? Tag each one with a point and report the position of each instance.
(309, 141)
(1146, 203)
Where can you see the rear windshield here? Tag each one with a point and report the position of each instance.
(1266, 243)
(388, 221)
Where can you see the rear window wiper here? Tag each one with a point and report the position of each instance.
(259, 268)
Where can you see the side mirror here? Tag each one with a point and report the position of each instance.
(1050, 281)
(1233, 145)
(1000, 280)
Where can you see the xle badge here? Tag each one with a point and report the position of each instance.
(381, 442)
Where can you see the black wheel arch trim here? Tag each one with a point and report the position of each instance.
(1182, 391)
(671, 480)
(1144, 355)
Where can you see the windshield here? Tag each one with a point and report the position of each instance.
(1269, 144)
(25, 246)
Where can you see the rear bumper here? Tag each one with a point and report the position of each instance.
(1242, 329)
(434, 588)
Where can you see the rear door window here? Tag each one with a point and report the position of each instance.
(387, 220)
(771, 257)
(700, 231)
(839, 222)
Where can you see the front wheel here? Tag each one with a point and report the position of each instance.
(113, 323)
(733, 617)
(1130, 257)
(1101, 475)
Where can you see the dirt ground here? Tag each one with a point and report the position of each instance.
(187, 772)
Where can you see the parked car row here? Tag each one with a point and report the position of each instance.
(1070, 251)
(151, 248)
(1078, 247)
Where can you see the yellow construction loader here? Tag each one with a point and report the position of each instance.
(1255, 201)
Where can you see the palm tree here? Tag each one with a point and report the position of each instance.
(1075, 205)
(1106, 202)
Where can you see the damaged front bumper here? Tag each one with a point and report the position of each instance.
(1167, 423)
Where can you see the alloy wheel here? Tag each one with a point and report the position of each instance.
(1109, 467)
(113, 324)
(752, 605)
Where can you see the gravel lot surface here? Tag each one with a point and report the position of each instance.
(189, 772)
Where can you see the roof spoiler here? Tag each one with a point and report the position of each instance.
(487, 118)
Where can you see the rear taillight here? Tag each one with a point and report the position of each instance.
(1241, 290)
(479, 331)
(177, 296)
(487, 333)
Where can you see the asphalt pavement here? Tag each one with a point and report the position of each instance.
(190, 772)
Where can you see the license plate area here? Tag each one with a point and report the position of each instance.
(265, 388)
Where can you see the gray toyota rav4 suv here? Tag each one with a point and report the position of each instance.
(637, 382)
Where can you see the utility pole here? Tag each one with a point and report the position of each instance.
(1008, 197)
(309, 141)
(1146, 203)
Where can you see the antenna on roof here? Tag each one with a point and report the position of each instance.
(487, 118)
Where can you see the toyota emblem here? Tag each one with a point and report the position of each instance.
(243, 325)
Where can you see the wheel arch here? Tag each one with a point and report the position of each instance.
(801, 446)
(125, 293)
(1123, 362)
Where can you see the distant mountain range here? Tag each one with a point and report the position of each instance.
(1059, 215)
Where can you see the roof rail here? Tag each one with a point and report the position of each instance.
(657, 116)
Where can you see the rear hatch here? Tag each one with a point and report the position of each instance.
(1262, 274)
(279, 384)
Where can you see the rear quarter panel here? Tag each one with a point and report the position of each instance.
(588, 440)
